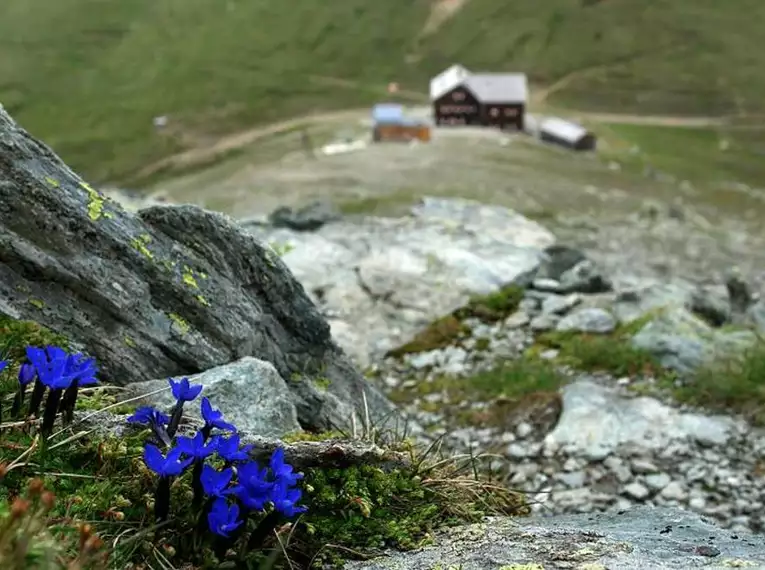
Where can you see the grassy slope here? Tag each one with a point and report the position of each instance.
(87, 76)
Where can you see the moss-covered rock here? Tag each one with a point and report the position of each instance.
(450, 329)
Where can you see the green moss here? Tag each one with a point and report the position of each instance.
(439, 334)
(508, 386)
(16, 335)
(448, 330)
(306, 436)
(365, 508)
(482, 344)
(493, 306)
(612, 353)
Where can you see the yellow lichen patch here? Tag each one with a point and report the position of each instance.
(180, 322)
(188, 277)
(52, 181)
(96, 203)
(129, 342)
(203, 301)
(140, 243)
(37, 303)
(531, 566)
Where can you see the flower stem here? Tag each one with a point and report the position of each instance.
(162, 499)
(259, 534)
(50, 411)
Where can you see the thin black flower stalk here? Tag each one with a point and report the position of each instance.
(37, 397)
(166, 467)
(27, 373)
(50, 411)
(263, 530)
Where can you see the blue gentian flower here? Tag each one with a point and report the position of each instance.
(50, 365)
(285, 500)
(146, 415)
(81, 368)
(27, 373)
(214, 482)
(254, 488)
(283, 471)
(214, 418)
(228, 448)
(183, 391)
(164, 466)
(3, 364)
(223, 518)
(195, 446)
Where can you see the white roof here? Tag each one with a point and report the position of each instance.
(447, 80)
(563, 129)
(499, 87)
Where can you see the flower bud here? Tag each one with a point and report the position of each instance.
(36, 487)
(48, 500)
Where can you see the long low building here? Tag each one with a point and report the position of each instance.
(567, 134)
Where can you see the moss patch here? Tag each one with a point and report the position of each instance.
(612, 353)
(730, 384)
(439, 334)
(505, 390)
(450, 329)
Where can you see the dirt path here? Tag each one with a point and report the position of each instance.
(209, 153)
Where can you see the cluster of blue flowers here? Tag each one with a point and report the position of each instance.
(232, 493)
(57, 372)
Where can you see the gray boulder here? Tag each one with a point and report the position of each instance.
(641, 538)
(683, 342)
(306, 219)
(250, 393)
(172, 291)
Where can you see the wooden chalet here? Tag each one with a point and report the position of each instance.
(460, 97)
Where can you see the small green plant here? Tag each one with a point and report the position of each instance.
(734, 383)
(27, 544)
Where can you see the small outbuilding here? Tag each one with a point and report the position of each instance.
(390, 123)
(564, 133)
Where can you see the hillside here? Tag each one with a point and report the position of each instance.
(88, 76)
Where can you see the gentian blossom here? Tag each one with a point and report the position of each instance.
(164, 466)
(214, 418)
(195, 446)
(183, 391)
(228, 448)
(223, 518)
(146, 415)
(215, 483)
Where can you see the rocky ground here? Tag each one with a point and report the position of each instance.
(658, 285)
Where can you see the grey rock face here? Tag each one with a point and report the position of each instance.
(641, 538)
(383, 280)
(171, 291)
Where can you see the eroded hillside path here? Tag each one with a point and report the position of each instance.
(206, 153)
